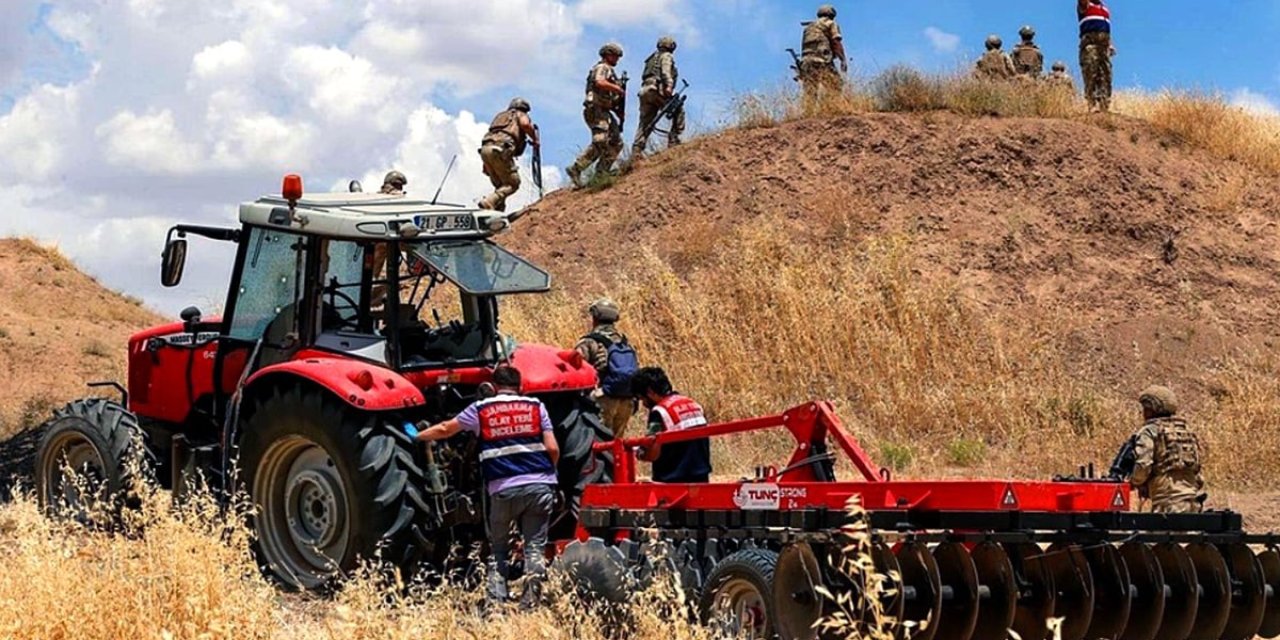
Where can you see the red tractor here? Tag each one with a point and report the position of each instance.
(299, 391)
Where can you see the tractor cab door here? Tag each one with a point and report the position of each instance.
(266, 317)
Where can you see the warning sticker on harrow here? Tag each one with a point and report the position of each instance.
(1010, 499)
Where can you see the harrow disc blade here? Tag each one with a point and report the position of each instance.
(1182, 599)
(1036, 597)
(959, 579)
(923, 604)
(1146, 592)
(1215, 591)
(1270, 562)
(1112, 601)
(796, 580)
(1074, 583)
(892, 602)
(995, 573)
(1248, 593)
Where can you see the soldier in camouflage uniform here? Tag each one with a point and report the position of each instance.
(659, 84)
(820, 46)
(1167, 452)
(1028, 61)
(1096, 51)
(508, 135)
(394, 183)
(616, 412)
(995, 64)
(605, 97)
(1060, 78)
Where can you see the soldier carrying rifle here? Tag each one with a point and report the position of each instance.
(658, 97)
(821, 45)
(1162, 460)
(604, 111)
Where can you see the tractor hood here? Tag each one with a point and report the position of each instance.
(548, 369)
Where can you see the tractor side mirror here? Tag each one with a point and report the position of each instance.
(173, 261)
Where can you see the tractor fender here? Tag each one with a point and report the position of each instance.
(363, 386)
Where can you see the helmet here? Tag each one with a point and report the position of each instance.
(666, 43)
(1027, 32)
(604, 310)
(395, 179)
(1059, 66)
(994, 42)
(519, 104)
(1158, 402)
(827, 11)
(611, 49)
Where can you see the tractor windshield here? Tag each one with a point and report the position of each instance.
(482, 268)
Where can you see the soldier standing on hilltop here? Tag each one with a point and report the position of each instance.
(1028, 61)
(820, 46)
(1060, 78)
(394, 183)
(508, 135)
(1096, 51)
(995, 64)
(604, 104)
(659, 84)
(1167, 456)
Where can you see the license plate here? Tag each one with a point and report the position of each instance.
(446, 222)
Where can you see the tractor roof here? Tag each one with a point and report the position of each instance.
(368, 216)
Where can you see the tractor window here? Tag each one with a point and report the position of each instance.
(268, 291)
(342, 271)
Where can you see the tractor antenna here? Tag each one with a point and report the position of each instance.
(444, 179)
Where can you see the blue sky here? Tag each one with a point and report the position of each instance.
(119, 119)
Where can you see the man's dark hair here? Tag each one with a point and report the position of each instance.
(650, 379)
(506, 377)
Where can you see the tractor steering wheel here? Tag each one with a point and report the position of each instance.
(349, 304)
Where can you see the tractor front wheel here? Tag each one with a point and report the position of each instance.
(331, 485)
(90, 457)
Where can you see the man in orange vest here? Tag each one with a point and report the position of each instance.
(678, 462)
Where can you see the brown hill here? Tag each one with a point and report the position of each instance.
(59, 329)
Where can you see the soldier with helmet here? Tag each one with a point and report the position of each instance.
(509, 133)
(608, 350)
(394, 183)
(820, 46)
(604, 101)
(659, 84)
(1167, 456)
(1028, 61)
(995, 63)
(1060, 78)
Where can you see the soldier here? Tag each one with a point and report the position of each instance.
(1028, 61)
(609, 352)
(1167, 456)
(820, 46)
(605, 99)
(682, 462)
(1096, 51)
(659, 84)
(508, 134)
(518, 464)
(1060, 77)
(394, 184)
(995, 63)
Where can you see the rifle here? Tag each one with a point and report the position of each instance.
(1126, 459)
(535, 163)
(795, 63)
(669, 110)
(621, 108)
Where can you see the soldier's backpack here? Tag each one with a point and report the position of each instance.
(621, 364)
(1177, 447)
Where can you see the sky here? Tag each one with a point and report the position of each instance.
(120, 118)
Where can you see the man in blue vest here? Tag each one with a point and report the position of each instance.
(518, 456)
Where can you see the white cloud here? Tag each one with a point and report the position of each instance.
(226, 61)
(32, 146)
(1255, 102)
(670, 15)
(149, 143)
(942, 41)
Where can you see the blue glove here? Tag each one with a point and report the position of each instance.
(411, 429)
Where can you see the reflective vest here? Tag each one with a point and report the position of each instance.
(511, 438)
(682, 461)
(679, 413)
(1095, 18)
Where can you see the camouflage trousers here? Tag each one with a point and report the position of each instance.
(1095, 67)
(606, 141)
(500, 165)
(616, 413)
(651, 102)
(819, 78)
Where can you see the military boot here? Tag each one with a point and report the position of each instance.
(575, 175)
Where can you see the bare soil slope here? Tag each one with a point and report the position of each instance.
(59, 329)
(1163, 258)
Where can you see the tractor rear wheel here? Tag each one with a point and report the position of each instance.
(331, 485)
(101, 445)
